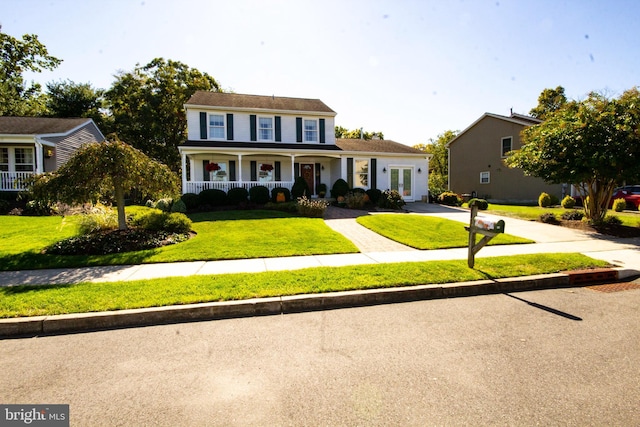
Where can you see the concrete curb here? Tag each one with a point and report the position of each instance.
(86, 322)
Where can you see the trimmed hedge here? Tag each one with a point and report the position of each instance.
(300, 188)
(259, 194)
(212, 197)
(237, 195)
(191, 200)
(482, 204)
(283, 190)
(340, 188)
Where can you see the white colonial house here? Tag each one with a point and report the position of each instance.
(239, 140)
(33, 145)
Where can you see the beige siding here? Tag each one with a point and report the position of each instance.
(479, 149)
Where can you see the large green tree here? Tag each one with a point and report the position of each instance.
(17, 56)
(342, 132)
(69, 99)
(147, 106)
(550, 100)
(106, 170)
(439, 163)
(593, 144)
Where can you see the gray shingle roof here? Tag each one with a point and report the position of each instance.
(37, 125)
(375, 146)
(234, 100)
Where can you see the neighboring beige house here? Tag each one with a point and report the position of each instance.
(476, 162)
(239, 140)
(32, 145)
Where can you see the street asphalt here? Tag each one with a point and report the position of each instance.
(622, 253)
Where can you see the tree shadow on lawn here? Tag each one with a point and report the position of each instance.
(33, 260)
(232, 215)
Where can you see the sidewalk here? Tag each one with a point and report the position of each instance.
(375, 249)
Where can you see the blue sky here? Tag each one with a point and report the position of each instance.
(411, 69)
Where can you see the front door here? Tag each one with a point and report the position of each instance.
(306, 172)
(402, 181)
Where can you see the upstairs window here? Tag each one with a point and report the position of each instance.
(507, 145)
(216, 126)
(24, 159)
(310, 130)
(265, 129)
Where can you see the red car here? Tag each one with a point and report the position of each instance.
(630, 193)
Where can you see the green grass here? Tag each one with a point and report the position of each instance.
(220, 235)
(20, 301)
(533, 213)
(427, 232)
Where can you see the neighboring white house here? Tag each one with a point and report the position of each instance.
(32, 145)
(248, 140)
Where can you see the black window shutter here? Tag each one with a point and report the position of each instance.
(254, 170)
(296, 170)
(350, 171)
(278, 125)
(203, 126)
(232, 170)
(252, 124)
(230, 127)
(322, 136)
(205, 173)
(374, 173)
(317, 176)
(298, 129)
(278, 171)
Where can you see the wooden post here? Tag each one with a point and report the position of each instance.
(489, 231)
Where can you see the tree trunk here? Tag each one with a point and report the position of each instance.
(122, 219)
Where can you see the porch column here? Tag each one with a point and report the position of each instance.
(39, 159)
(293, 164)
(183, 159)
(239, 177)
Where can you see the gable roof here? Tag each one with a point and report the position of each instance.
(38, 125)
(258, 102)
(515, 118)
(376, 146)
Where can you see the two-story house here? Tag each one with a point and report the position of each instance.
(476, 162)
(239, 140)
(33, 145)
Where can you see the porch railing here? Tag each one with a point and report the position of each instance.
(197, 186)
(14, 181)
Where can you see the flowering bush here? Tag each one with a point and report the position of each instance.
(391, 199)
(356, 200)
(313, 208)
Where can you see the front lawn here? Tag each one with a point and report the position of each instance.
(533, 213)
(21, 301)
(427, 232)
(220, 235)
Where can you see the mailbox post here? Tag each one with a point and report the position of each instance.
(478, 225)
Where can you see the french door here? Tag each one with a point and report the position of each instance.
(402, 181)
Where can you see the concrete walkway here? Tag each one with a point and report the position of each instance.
(624, 253)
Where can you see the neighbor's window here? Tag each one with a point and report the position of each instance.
(484, 177)
(506, 145)
(361, 173)
(265, 129)
(24, 159)
(216, 126)
(310, 130)
(4, 159)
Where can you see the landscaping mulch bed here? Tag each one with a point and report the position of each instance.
(608, 229)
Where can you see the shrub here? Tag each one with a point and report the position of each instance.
(313, 208)
(212, 197)
(356, 199)
(544, 201)
(259, 194)
(283, 190)
(482, 204)
(619, 204)
(150, 204)
(391, 199)
(300, 188)
(374, 195)
(163, 221)
(450, 198)
(568, 202)
(549, 218)
(572, 216)
(340, 188)
(611, 220)
(237, 195)
(37, 208)
(554, 200)
(164, 204)
(191, 201)
(322, 190)
(178, 206)
(102, 219)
